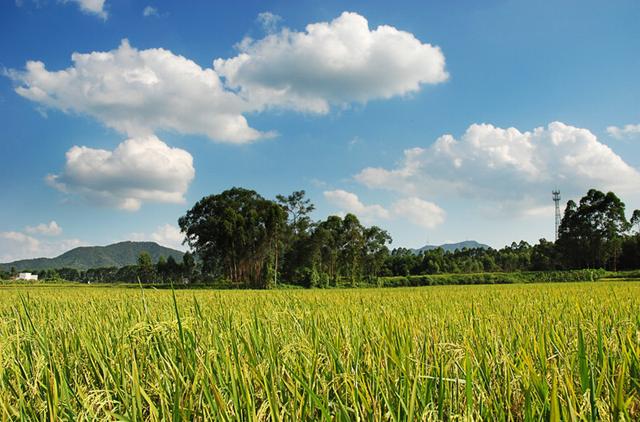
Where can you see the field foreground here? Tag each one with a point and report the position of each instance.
(498, 352)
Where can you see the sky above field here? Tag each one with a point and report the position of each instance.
(438, 121)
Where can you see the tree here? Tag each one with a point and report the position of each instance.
(350, 247)
(375, 250)
(635, 220)
(236, 230)
(145, 267)
(188, 265)
(298, 209)
(402, 261)
(544, 256)
(172, 268)
(161, 269)
(293, 242)
(326, 239)
(591, 233)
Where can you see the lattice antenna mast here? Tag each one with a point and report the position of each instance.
(556, 200)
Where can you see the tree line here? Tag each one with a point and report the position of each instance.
(256, 242)
(242, 239)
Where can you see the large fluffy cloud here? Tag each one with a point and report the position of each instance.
(508, 166)
(138, 170)
(140, 91)
(333, 62)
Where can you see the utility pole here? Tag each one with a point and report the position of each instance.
(556, 200)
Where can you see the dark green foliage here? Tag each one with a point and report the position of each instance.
(516, 257)
(146, 271)
(343, 248)
(236, 232)
(492, 278)
(254, 242)
(591, 232)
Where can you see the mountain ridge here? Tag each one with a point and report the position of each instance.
(84, 257)
(451, 247)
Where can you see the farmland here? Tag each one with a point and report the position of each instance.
(522, 352)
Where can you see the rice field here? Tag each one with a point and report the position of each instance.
(499, 352)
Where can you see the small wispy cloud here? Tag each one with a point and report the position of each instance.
(625, 132)
(269, 21)
(91, 7)
(150, 11)
(48, 229)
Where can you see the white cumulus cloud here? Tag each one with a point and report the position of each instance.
(508, 166)
(419, 212)
(349, 202)
(142, 169)
(625, 132)
(140, 91)
(335, 62)
(48, 229)
(414, 210)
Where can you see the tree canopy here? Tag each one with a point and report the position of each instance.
(237, 232)
(591, 232)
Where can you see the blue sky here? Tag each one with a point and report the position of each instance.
(439, 121)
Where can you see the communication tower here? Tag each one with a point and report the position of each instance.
(556, 200)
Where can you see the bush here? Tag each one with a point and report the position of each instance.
(492, 278)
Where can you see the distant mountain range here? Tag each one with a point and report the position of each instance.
(85, 257)
(451, 247)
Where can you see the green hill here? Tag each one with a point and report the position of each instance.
(85, 257)
(451, 247)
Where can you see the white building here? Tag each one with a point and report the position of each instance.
(27, 276)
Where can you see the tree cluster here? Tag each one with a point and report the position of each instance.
(596, 234)
(593, 234)
(256, 242)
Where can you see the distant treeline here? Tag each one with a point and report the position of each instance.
(493, 278)
(241, 239)
(165, 270)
